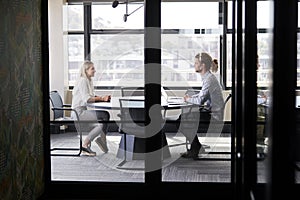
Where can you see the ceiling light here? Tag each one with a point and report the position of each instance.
(126, 15)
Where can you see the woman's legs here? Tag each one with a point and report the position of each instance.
(96, 131)
(94, 127)
(104, 116)
(101, 141)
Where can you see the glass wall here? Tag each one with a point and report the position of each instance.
(97, 31)
(264, 39)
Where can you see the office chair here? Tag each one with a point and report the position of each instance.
(127, 91)
(204, 125)
(191, 92)
(132, 144)
(132, 91)
(60, 119)
(132, 126)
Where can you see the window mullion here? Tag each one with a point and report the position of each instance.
(87, 30)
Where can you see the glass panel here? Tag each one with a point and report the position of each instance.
(178, 55)
(124, 52)
(229, 15)
(297, 173)
(264, 41)
(264, 83)
(75, 56)
(202, 15)
(198, 31)
(263, 14)
(298, 60)
(107, 17)
(229, 61)
(298, 15)
(119, 59)
(75, 17)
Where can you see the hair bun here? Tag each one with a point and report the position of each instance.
(214, 65)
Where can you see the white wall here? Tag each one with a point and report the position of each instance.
(57, 65)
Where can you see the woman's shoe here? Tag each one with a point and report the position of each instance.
(88, 152)
(192, 153)
(189, 154)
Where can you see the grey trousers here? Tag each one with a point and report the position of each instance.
(89, 123)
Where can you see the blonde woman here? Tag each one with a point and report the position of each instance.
(83, 93)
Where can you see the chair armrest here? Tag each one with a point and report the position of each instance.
(67, 109)
(67, 105)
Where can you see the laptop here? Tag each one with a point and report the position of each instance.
(170, 99)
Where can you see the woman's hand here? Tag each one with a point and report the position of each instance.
(106, 98)
(186, 97)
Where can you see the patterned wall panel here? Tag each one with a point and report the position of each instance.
(21, 127)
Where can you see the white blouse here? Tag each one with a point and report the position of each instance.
(83, 90)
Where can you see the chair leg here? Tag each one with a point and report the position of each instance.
(205, 146)
(69, 149)
(125, 148)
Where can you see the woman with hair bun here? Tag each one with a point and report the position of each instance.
(210, 96)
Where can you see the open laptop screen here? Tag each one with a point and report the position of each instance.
(171, 99)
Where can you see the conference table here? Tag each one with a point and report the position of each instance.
(114, 104)
(132, 147)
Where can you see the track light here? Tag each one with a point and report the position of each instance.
(115, 3)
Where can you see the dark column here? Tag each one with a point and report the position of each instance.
(153, 91)
(250, 100)
(283, 126)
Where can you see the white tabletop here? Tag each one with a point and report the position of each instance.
(115, 103)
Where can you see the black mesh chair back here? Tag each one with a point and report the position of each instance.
(132, 91)
(56, 102)
(132, 126)
(133, 142)
(132, 113)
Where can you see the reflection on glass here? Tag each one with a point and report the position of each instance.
(264, 85)
(181, 15)
(198, 31)
(75, 56)
(75, 17)
(119, 60)
(264, 14)
(106, 17)
(119, 57)
(178, 51)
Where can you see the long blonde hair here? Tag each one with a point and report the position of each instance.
(85, 66)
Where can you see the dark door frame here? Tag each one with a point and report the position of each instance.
(244, 117)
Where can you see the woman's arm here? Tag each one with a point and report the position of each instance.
(105, 98)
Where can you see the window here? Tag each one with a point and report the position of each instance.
(264, 23)
(117, 47)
